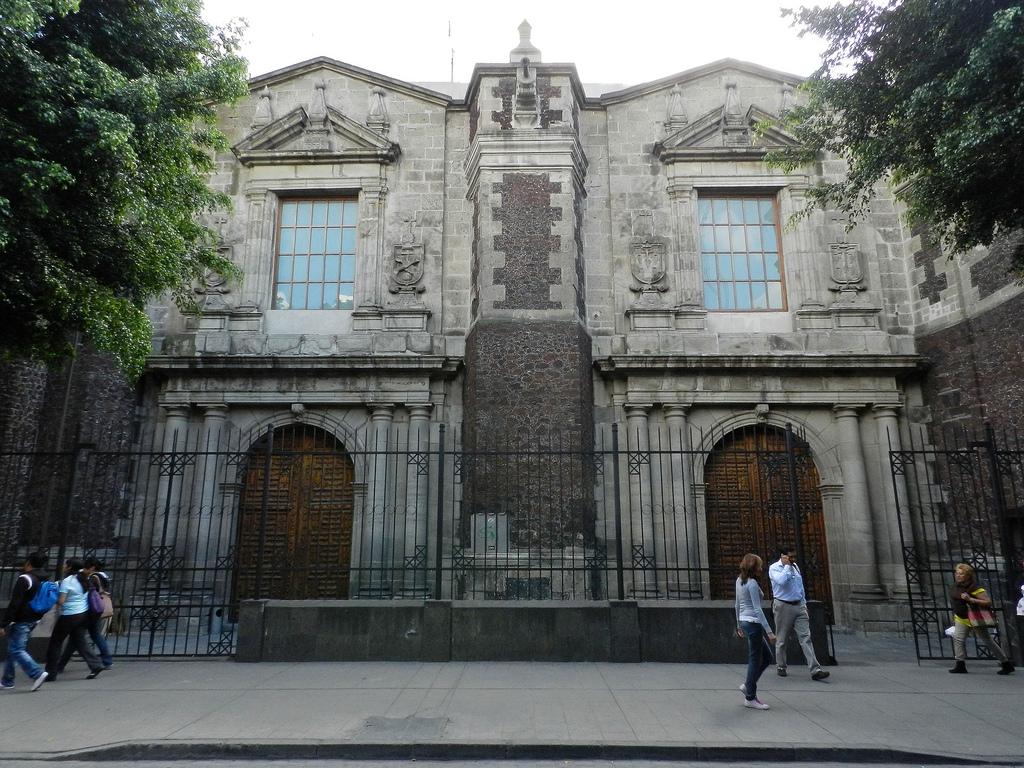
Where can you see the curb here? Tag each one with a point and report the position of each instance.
(324, 750)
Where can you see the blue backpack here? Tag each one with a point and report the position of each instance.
(46, 597)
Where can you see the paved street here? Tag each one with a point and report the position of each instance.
(878, 706)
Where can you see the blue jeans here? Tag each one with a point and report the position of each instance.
(95, 630)
(761, 655)
(17, 639)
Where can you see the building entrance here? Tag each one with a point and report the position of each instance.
(752, 507)
(295, 523)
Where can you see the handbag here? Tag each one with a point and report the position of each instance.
(108, 606)
(981, 617)
(95, 603)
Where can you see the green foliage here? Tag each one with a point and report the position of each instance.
(927, 95)
(107, 110)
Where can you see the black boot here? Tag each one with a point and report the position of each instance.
(1006, 669)
(960, 668)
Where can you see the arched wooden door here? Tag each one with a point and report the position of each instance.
(750, 509)
(308, 502)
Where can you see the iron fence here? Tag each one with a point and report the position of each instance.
(961, 500)
(406, 511)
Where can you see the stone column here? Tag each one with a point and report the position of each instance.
(173, 464)
(684, 511)
(895, 498)
(862, 546)
(203, 541)
(640, 553)
(376, 544)
(416, 503)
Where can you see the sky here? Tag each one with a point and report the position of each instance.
(423, 41)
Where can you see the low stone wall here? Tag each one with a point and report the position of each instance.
(437, 630)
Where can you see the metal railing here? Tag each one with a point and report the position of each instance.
(961, 500)
(401, 511)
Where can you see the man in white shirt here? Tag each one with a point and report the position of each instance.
(789, 604)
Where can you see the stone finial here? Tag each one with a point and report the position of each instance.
(318, 102)
(264, 114)
(675, 113)
(787, 97)
(525, 49)
(318, 128)
(378, 118)
(735, 131)
(733, 111)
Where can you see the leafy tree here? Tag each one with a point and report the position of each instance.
(925, 94)
(107, 114)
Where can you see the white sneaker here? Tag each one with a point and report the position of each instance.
(38, 681)
(755, 704)
(743, 689)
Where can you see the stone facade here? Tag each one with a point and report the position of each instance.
(530, 258)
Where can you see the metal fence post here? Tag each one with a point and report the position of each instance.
(794, 496)
(438, 550)
(261, 548)
(1009, 587)
(620, 579)
(69, 506)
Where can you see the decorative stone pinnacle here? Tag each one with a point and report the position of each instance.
(525, 49)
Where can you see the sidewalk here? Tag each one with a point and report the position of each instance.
(878, 705)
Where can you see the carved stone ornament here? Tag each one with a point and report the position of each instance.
(527, 108)
(378, 118)
(264, 114)
(212, 289)
(675, 112)
(318, 129)
(647, 260)
(406, 273)
(847, 272)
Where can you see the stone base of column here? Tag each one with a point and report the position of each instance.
(868, 595)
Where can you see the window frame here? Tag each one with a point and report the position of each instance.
(349, 220)
(741, 194)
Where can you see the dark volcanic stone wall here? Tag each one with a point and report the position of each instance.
(41, 413)
(528, 388)
(977, 369)
(527, 377)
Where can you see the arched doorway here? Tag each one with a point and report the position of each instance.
(749, 509)
(304, 505)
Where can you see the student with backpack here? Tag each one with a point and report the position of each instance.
(31, 598)
(73, 622)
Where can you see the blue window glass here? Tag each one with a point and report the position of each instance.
(740, 261)
(316, 254)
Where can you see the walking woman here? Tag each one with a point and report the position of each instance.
(966, 595)
(93, 576)
(72, 623)
(752, 624)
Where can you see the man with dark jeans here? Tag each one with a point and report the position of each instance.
(790, 607)
(19, 621)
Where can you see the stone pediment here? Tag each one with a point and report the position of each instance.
(295, 138)
(717, 135)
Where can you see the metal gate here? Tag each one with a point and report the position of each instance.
(961, 500)
(401, 511)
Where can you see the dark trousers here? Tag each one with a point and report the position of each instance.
(95, 630)
(75, 628)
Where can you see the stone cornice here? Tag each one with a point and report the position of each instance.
(526, 151)
(623, 365)
(435, 365)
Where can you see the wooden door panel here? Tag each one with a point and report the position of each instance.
(749, 510)
(308, 547)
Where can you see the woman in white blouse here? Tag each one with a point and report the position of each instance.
(73, 623)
